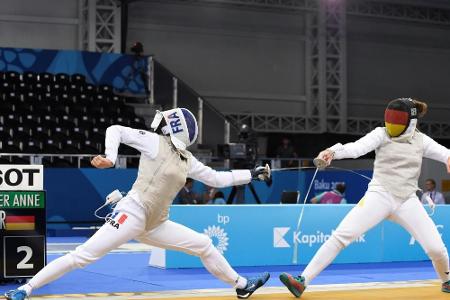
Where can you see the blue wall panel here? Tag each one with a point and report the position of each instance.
(123, 72)
(74, 194)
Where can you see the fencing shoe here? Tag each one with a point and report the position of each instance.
(16, 295)
(253, 284)
(295, 284)
(446, 287)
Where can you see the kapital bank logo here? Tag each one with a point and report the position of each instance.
(278, 237)
(319, 237)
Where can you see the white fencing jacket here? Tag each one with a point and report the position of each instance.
(397, 163)
(163, 170)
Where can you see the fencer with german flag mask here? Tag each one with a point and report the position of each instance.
(143, 213)
(391, 194)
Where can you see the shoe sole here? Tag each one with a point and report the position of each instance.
(287, 281)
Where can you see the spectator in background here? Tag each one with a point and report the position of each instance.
(430, 190)
(219, 198)
(187, 195)
(335, 196)
(208, 194)
(286, 150)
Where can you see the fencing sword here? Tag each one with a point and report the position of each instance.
(335, 168)
(319, 165)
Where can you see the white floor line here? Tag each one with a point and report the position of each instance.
(62, 248)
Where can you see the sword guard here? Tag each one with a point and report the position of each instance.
(320, 163)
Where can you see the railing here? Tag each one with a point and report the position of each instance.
(122, 160)
(170, 91)
(76, 159)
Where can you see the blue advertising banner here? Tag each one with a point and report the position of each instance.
(399, 245)
(74, 194)
(123, 72)
(258, 235)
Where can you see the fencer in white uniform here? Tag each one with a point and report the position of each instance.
(143, 213)
(391, 194)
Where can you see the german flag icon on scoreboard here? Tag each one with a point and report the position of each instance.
(20, 223)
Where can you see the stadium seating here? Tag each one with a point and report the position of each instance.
(59, 114)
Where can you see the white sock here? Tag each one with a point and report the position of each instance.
(323, 257)
(241, 282)
(27, 288)
(217, 265)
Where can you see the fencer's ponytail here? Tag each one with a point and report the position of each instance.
(421, 106)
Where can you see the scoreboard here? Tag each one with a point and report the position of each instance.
(22, 221)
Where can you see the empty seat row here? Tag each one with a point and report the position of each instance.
(57, 89)
(69, 121)
(58, 109)
(57, 146)
(46, 78)
(70, 96)
(58, 114)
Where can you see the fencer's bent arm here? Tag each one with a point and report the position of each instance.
(364, 145)
(144, 141)
(218, 179)
(434, 150)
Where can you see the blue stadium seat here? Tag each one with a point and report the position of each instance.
(78, 78)
(46, 78)
(10, 146)
(30, 78)
(31, 146)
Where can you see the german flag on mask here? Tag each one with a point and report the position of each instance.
(20, 223)
(397, 116)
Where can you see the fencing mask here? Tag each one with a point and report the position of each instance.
(181, 125)
(400, 116)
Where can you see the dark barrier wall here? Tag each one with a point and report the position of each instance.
(123, 72)
(74, 194)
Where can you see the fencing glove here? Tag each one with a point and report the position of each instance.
(261, 173)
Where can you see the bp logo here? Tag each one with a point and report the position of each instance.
(218, 236)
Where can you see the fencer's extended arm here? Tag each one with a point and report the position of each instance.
(364, 145)
(434, 150)
(144, 141)
(218, 179)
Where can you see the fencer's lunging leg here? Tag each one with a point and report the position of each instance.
(217, 265)
(371, 210)
(414, 218)
(175, 236)
(108, 237)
